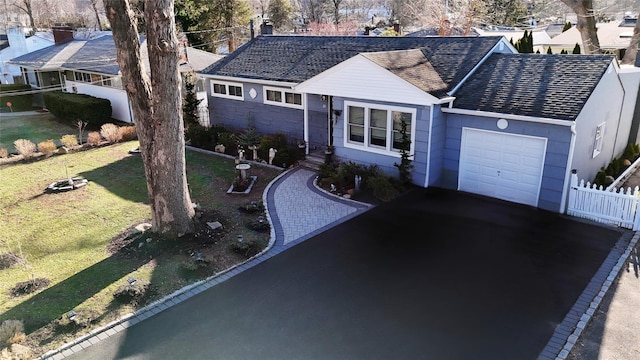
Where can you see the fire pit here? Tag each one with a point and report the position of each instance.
(67, 184)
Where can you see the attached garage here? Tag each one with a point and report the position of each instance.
(501, 165)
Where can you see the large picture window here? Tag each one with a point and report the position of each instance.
(377, 127)
(227, 90)
(282, 97)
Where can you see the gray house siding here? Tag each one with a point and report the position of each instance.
(555, 163)
(438, 133)
(385, 162)
(267, 119)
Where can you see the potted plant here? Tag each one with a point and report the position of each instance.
(329, 150)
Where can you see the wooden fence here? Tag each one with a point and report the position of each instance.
(610, 206)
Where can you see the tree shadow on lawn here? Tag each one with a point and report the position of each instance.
(124, 178)
(53, 302)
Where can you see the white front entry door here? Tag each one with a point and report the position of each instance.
(500, 165)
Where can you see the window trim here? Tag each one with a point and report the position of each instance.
(283, 96)
(366, 146)
(598, 139)
(226, 85)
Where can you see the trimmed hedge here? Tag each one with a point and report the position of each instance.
(18, 103)
(73, 107)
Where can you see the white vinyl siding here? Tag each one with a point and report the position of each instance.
(376, 128)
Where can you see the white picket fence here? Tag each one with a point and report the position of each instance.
(610, 206)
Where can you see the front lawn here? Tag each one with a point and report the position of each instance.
(78, 240)
(36, 128)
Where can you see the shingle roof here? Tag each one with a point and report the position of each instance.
(412, 66)
(550, 86)
(298, 58)
(98, 56)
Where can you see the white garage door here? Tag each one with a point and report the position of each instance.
(504, 166)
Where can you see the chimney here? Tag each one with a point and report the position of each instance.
(266, 28)
(396, 26)
(62, 33)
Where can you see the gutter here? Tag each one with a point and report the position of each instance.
(508, 116)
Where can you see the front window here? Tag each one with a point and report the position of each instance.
(282, 97)
(378, 127)
(356, 124)
(227, 90)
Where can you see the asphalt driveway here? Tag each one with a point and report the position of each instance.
(432, 275)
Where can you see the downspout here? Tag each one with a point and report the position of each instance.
(567, 176)
(305, 130)
(615, 141)
(426, 177)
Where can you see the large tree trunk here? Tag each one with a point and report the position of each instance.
(586, 24)
(156, 106)
(632, 49)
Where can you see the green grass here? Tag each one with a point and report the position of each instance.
(64, 236)
(36, 128)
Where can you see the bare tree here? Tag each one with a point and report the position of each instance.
(632, 49)
(95, 11)
(586, 24)
(25, 5)
(156, 103)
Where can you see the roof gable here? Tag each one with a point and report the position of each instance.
(362, 78)
(547, 86)
(413, 67)
(298, 58)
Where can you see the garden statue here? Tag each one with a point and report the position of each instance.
(272, 154)
(240, 154)
(219, 148)
(254, 148)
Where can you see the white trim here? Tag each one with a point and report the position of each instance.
(465, 130)
(598, 141)
(426, 177)
(567, 175)
(288, 85)
(389, 130)
(305, 123)
(283, 96)
(226, 86)
(508, 116)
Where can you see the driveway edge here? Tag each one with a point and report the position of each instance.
(569, 330)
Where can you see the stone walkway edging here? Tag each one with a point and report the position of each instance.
(595, 303)
(568, 331)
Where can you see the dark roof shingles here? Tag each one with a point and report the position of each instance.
(548, 86)
(298, 58)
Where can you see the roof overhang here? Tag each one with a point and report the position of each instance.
(495, 115)
(361, 78)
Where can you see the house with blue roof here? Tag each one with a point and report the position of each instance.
(88, 66)
(481, 117)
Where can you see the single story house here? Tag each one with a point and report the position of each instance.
(89, 67)
(614, 37)
(481, 117)
(19, 44)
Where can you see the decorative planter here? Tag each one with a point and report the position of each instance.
(67, 184)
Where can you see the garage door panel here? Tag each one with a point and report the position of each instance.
(506, 166)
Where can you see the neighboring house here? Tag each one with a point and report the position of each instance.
(19, 44)
(89, 67)
(481, 117)
(540, 36)
(614, 37)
